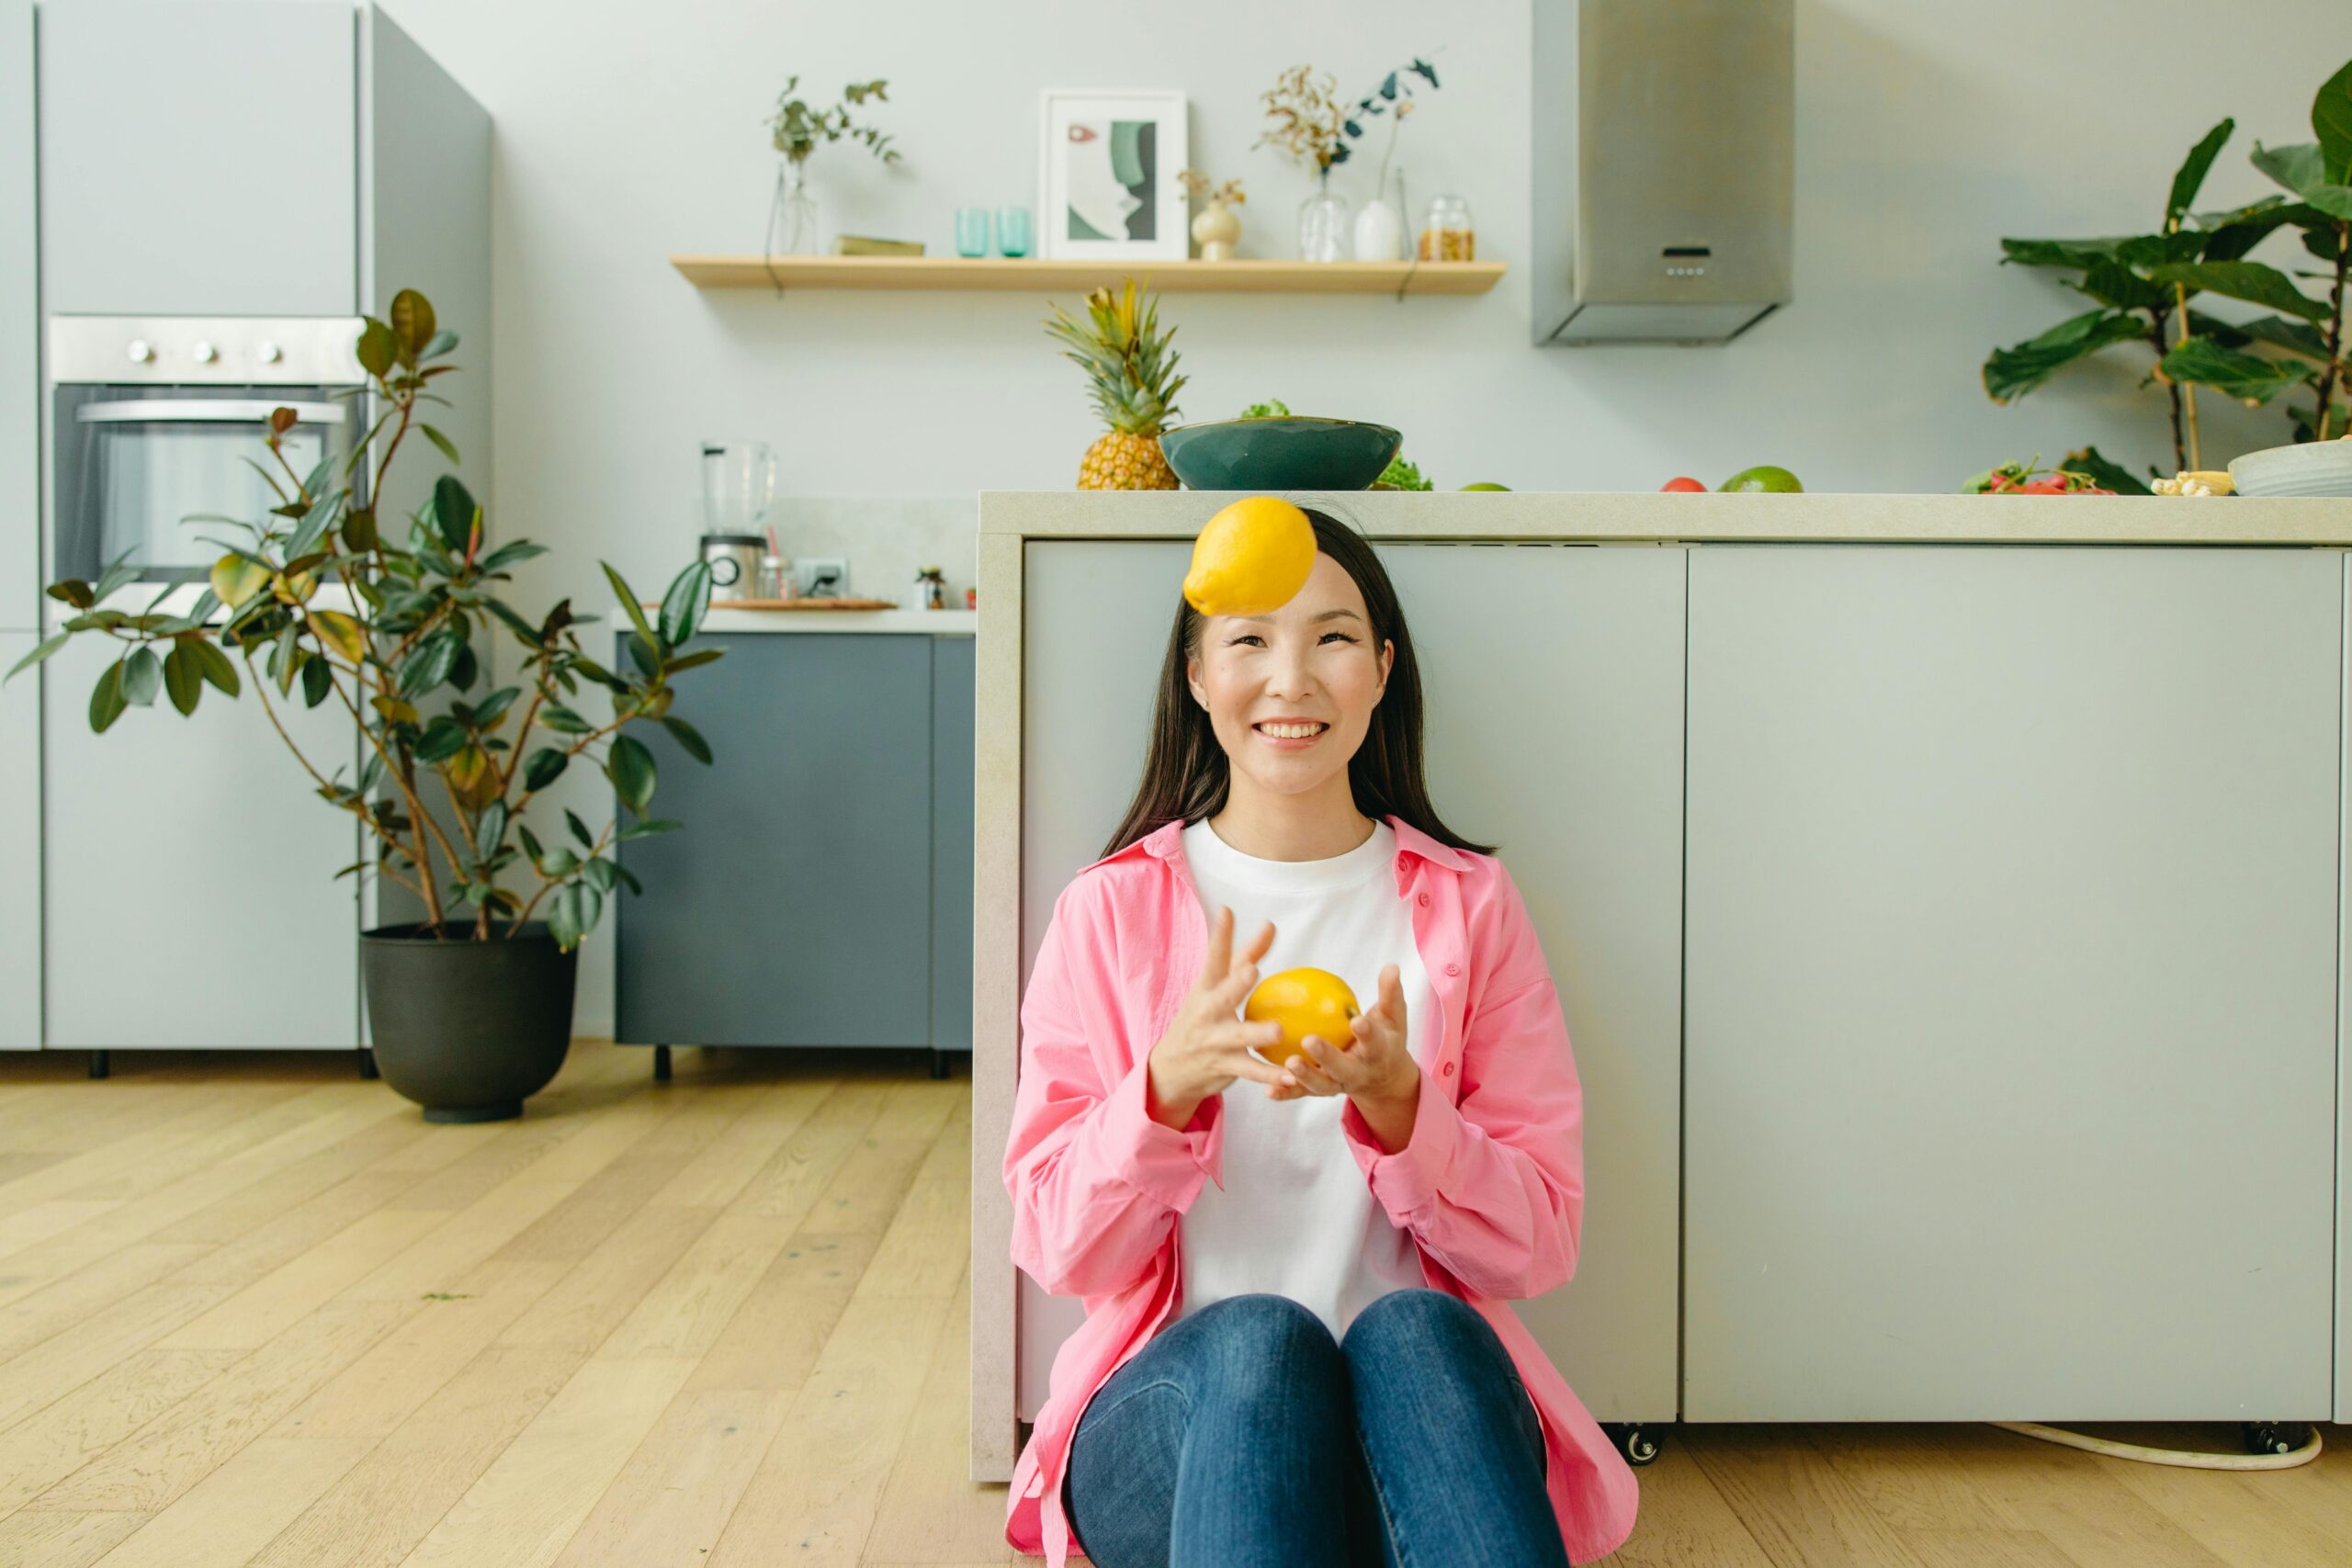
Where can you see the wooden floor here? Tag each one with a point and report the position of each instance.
(252, 1310)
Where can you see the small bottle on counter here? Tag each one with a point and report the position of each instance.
(931, 588)
(776, 577)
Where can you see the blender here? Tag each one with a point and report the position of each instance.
(738, 492)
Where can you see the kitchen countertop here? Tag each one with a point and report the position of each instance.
(1650, 518)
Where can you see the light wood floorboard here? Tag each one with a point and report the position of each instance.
(254, 1311)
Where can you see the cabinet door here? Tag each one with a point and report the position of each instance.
(792, 909)
(951, 842)
(1551, 686)
(19, 847)
(191, 885)
(2010, 997)
(20, 329)
(198, 157)
(1552, 695)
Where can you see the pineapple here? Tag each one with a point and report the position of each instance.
(1133, 369)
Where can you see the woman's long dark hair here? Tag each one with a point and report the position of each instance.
(1186, 773)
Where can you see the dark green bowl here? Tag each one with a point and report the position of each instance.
(1286, 453)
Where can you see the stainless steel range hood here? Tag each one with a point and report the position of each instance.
(1663, 167)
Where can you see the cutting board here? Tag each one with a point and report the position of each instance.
(791, 605)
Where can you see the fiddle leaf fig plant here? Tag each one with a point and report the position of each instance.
(2140, 286)
(400, 634)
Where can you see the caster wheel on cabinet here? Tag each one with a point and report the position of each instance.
(99, 1067)
(2274, 1437)
(1637, 1443)
(660, 1064)
(367, 1065)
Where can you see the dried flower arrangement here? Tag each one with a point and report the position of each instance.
(1305, 119)
(1196, 186)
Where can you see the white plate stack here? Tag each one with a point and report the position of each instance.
(2311, 467)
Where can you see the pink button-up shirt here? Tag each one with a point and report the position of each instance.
(1490, 1185)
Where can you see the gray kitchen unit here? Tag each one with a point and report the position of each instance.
(220, 161)
(1945, 896)
(820, 892)
(20, 599)
(1589, 640)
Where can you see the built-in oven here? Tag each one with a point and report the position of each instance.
(157, 427)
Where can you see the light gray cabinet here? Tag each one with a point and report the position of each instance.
(19, 849)
(20, 329)
(190, 888)
(796, 907)
(1552, 678)
(198, 157)
(2344, 1059)
(2011, 986)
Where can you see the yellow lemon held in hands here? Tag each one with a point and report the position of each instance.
(1251, 559)
(1304, 1002)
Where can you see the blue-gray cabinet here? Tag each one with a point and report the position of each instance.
(820, 890)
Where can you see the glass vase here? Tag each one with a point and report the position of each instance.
(792, 216)
(1323, 224)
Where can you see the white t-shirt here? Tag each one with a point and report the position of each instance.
(1295, 1216)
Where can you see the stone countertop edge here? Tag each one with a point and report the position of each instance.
(724, 622)
(1708, 517)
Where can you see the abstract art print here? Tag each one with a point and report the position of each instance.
(1106, 175)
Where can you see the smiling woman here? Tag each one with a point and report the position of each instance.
(1340, 1282)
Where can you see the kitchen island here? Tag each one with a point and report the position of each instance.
(1944, 893)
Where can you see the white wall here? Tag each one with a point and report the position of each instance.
(627, 129)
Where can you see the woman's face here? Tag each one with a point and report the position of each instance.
(1313, 662)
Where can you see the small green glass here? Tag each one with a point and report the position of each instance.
(1013, 230)
(971, 231)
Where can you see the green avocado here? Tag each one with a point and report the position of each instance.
(1764, 477)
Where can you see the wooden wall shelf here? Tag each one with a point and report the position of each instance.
(1027, 274)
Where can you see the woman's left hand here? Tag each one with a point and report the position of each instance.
(1375, 1068)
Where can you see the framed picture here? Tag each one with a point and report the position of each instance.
(1106, 175)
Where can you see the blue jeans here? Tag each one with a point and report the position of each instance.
(1243, 1436)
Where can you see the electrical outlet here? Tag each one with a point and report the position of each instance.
(822, 577)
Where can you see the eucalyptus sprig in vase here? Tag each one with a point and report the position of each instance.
(799, 129)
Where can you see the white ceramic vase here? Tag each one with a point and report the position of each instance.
(1380, 231)
(1218, 228)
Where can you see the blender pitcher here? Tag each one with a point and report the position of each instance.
(738, 486)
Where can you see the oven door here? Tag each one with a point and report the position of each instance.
(136, 463)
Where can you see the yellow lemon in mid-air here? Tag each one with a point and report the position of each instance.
(1251, 559)
(1304, 1002)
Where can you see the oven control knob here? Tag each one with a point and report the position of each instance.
(206, 354)
(268, 353)
(141, 351)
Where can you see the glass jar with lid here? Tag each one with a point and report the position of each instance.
(1447, 234)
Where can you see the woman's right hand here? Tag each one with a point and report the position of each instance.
(1206, 1046)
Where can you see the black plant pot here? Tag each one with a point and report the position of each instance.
(468, 1029)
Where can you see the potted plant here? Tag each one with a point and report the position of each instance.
(799, 130)
(469, 1006)
(2141, 286)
